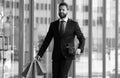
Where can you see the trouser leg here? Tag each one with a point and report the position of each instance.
(55, 69)
(61, 68)
(65, 66)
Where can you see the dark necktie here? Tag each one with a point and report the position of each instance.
(62, 27)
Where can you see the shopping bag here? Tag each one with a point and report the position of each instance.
(33, 69)
(29, 71)
(41, 68)
(24, 73)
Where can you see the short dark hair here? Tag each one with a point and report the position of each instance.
(64, 4)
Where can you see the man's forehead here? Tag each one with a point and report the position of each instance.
(62, 7)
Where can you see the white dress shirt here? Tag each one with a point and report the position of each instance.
(64, 19)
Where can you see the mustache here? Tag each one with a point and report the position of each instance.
(62, 15)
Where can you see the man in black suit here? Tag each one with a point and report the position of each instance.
(63, 31)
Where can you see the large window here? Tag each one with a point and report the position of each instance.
(82, 18)
(24, 24)
(103, 61)
(43, 14)
(9, 38)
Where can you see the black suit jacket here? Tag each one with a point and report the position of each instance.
(62, 41)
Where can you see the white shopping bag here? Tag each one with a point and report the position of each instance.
(33, 69)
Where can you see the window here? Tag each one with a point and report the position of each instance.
(19, 34)
(49, 20)
(16, 17)
(42, 6)
(94, 23)
(85, 8)
(7, 4)
(37, 6)
(17, 5)
(37, 20)
(12, 4)
(26, 20)
(85, 22)
(26, 6)
(45, 20)
(100, 9)
(99, 21)
(45, 6)
(49, 7)
(41, 20)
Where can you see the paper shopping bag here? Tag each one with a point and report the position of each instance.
(24, 73)
(29, 71)
(33, 69)
(41, 68)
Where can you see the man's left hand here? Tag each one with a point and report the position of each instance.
(78, 51)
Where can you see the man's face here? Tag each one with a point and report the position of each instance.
(63, 11)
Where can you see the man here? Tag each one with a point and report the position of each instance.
(63, 31)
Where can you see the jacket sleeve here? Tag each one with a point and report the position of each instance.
(80, 37)
(46, 41)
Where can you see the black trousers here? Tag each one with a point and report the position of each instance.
(61, 68)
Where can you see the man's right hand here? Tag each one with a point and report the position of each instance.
(38, 57)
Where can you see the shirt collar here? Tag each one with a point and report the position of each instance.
(64, 19)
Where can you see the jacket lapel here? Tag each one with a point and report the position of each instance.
(67, 25)
(57, 27)
(66, 28)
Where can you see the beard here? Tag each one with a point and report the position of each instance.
(62, 15)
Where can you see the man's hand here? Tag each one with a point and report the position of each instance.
(38, 57)
(78, 51)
